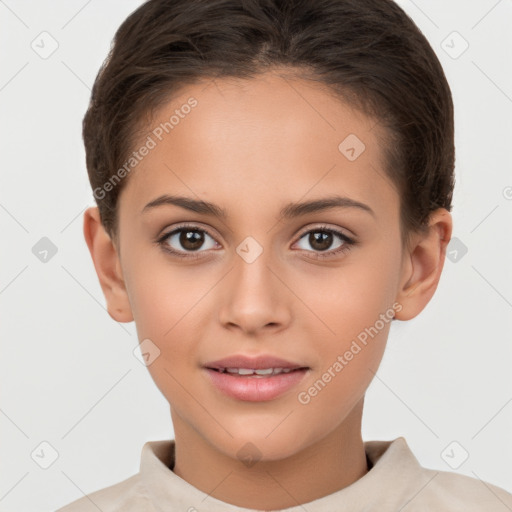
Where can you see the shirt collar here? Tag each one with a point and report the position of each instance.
(393, 467)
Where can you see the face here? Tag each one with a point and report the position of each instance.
(315, 287)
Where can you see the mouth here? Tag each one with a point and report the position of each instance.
(254, 379)
(259, 372)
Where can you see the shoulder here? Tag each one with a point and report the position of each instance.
(128, 496)
(444, 490)
(402, 483)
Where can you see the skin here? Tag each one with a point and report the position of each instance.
(252, 146)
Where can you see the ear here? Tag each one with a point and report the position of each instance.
(108, 267)
(422, 265)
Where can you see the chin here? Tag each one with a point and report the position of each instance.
(256, 444)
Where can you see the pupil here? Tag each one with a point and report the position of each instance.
(191, 240)
(320, 240)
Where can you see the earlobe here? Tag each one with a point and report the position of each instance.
(423, 264)
(107, 265)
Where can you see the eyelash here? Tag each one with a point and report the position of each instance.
(347, 245)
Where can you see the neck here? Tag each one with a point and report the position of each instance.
(324, 467)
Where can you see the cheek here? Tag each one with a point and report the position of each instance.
(350, 310)
(165, 298)
(169, 307)
(343, 301)
(346, 360)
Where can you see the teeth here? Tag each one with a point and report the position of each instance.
(245, 371)
(251, 371)
(266, 371)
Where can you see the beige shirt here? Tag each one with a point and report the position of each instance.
(395, 482)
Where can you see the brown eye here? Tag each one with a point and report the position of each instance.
(187, 240)
(191, 240)
(320, 240)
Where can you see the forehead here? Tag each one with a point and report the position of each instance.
(271, 136)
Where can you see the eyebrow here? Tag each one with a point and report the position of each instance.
(289, 211)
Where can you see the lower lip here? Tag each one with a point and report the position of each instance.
(255, 389)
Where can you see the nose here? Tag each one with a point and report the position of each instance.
(254, 297)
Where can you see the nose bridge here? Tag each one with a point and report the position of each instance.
(255, 295)
(253, 272)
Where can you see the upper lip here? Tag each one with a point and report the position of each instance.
(256, 363)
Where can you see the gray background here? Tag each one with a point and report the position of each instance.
(69, 375)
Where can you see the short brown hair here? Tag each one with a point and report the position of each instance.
(369, 52)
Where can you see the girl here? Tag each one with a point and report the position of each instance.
(274, 183)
